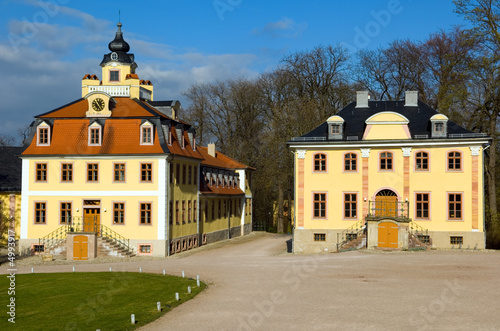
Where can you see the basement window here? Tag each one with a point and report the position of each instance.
(425, 239)
(145, 249)
(319, 237)
(456, 240)
(38, 249)
(351, 236)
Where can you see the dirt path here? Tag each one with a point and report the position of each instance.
(254, 285)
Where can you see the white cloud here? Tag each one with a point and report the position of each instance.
(284, 28)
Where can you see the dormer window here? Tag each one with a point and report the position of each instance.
(43, 135)
(114, 75)
(95, 135)
(439, 126)
(335, 127)
(147, 134)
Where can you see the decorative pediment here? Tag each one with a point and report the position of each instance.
(387, 125)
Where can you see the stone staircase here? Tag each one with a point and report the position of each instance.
(414, 242)
(58, 250)
(358, 243)
(106, 247)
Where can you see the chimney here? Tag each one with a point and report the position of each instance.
(211, 149)
(411, 99)
(362, 99)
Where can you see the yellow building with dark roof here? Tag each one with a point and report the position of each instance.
(391, 175)
(116, 173)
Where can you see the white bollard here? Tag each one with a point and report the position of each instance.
(182, 273)
(31, 270)
(132, 318)
(198, 280)
(73, 269)
(140, 269)
(163, 272)
(177, 296)
(109, 269)
(189, 289)
(158, 306)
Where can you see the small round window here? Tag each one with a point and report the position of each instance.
(114, 56)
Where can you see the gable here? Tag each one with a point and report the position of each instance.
(386, 125)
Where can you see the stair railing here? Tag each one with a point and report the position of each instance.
(115, 238)
(357, 228)
(54, 238)
(418, 231)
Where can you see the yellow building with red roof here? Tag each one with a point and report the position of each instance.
(116, 173)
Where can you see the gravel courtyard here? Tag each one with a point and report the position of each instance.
(255, 285)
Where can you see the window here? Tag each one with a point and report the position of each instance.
(171, 216)
(319, 237)
(219, 210)
(118, 213)
(189, 211)
(183, 174)
(190, 174)
(114, 75)
(424, 238)
(350, 162)
(43, 136)
(145, 249)
(119, 172)
(319, 205)
(66, 172)
(41, 172)
(422, 161)
(177, 212)
(206, 211)
(195, 211)
(146, 172)
(94, 136)
(455, 206)
(92, 172)
(147, 135)
(65, 213)
(320, 162)
(335, 129)
(183, 211)
(145, 213)
(456, 240)
(37, 249)
(213, 210)
(454, 161)
(178, 174)
(40, 212)
(195, 175)
(350, 205)
(422, 205)
(386, 161)
(439, 127)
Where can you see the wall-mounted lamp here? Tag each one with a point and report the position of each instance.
(364, 199)
(77, 209)
(106, 210)
(406, 199)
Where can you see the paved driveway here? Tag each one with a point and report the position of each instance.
(254, 285)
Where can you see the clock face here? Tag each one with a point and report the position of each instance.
(98, 104)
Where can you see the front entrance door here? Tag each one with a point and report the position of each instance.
(386, 205)
(80, 248)
(91, 219)
(388, 235)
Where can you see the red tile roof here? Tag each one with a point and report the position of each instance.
(220, 160)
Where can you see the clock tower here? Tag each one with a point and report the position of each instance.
(118, 76)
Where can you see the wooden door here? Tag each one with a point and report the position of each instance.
(91, 220)
(80, 248)
(388, 235)
(386, 206)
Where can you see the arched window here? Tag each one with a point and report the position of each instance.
(350, 162)
(454, 161)
(386, 161)
(319, 162)
(422, 161)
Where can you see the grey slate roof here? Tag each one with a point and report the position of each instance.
(10, 169)
(355, 118)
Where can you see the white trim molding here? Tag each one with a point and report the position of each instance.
(474, 150)
(301, 153)
(406, 151)
(365, 152)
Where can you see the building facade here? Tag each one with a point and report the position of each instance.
(117, 169)
(10, 192)
(388, 174)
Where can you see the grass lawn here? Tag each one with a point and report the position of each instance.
(91, 301)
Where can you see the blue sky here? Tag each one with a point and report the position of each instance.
(47, 46)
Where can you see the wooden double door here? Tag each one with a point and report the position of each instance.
(388, 235)
(80, 248)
